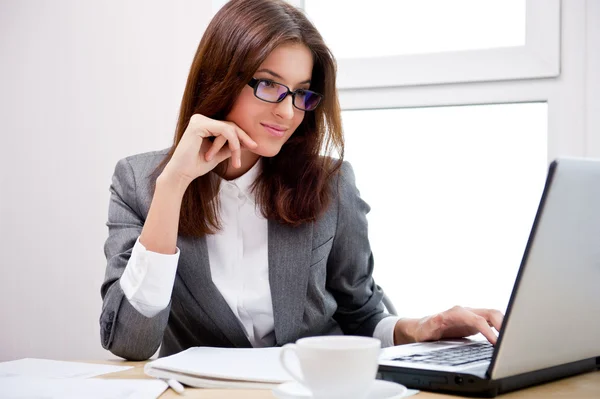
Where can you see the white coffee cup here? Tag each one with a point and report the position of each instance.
(335, 366)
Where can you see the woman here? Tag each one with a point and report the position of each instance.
(242, 234)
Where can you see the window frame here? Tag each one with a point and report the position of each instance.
(538, 58)
(569, 98)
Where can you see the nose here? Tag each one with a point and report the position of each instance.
(285, 109)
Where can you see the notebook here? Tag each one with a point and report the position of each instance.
(551, 329)
(209, 367)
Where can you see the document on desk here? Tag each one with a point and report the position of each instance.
(208, 367)
(53, 388)
(55, 369)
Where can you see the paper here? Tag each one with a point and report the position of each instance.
(53, 388)
(55, 369)
(237, 364)
(207, 382)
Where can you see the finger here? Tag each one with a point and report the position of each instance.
(230, 131)
(220, 128)
(233, 142)
(482, 325)
(494, 317)
(222, 155)
(215, 147)
(236, 157)
(230, 136)
(245, 138)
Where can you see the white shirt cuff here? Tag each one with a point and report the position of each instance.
(148, 279)
(384, 331)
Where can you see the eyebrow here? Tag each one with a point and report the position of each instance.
(279, 76)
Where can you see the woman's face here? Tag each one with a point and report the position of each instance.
(288, 64)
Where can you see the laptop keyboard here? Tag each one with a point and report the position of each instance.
(455, 356)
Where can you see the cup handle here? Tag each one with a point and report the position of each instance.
(289, 348)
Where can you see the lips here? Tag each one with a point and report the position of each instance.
(275, 130)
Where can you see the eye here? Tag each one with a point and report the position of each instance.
(268, 83)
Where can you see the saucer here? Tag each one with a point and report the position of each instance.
(379, 390)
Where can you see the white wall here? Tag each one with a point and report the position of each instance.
(82, 84)
(592, 76)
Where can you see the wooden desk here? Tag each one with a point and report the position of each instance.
(585, 386)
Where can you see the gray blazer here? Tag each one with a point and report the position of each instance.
(320, 276)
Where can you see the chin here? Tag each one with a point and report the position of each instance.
(267, 150)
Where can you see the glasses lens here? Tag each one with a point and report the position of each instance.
(274, 92)
(270, 91)
(307, 100)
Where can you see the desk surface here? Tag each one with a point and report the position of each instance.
(585, 386)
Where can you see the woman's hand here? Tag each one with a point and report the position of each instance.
(457, 322)
(195, 156)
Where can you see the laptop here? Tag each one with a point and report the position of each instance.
(551, 327)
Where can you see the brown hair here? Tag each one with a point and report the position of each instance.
(294, 185)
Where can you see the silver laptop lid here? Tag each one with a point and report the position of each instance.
(553, 317)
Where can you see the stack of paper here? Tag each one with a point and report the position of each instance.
(54, 388)
(208, 367)
(49, 379)
(56, 369)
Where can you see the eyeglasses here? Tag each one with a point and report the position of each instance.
(273, 92)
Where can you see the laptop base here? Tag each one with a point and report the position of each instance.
(478, 385)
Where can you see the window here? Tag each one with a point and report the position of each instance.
(383, 28)
(455, 197)
(468, 127)
(457, 41)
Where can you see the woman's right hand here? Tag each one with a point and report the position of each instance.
(195, 156)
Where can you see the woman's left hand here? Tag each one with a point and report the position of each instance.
(457, 322)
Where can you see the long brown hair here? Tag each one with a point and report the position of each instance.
(294, 186)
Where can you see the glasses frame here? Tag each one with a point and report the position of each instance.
(255, 82)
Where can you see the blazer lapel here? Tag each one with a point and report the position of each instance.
(289, 258)
(195, 272)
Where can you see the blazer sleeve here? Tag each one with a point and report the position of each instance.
(350, 264)
(123, 330)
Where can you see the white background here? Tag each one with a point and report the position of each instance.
(84, 84)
